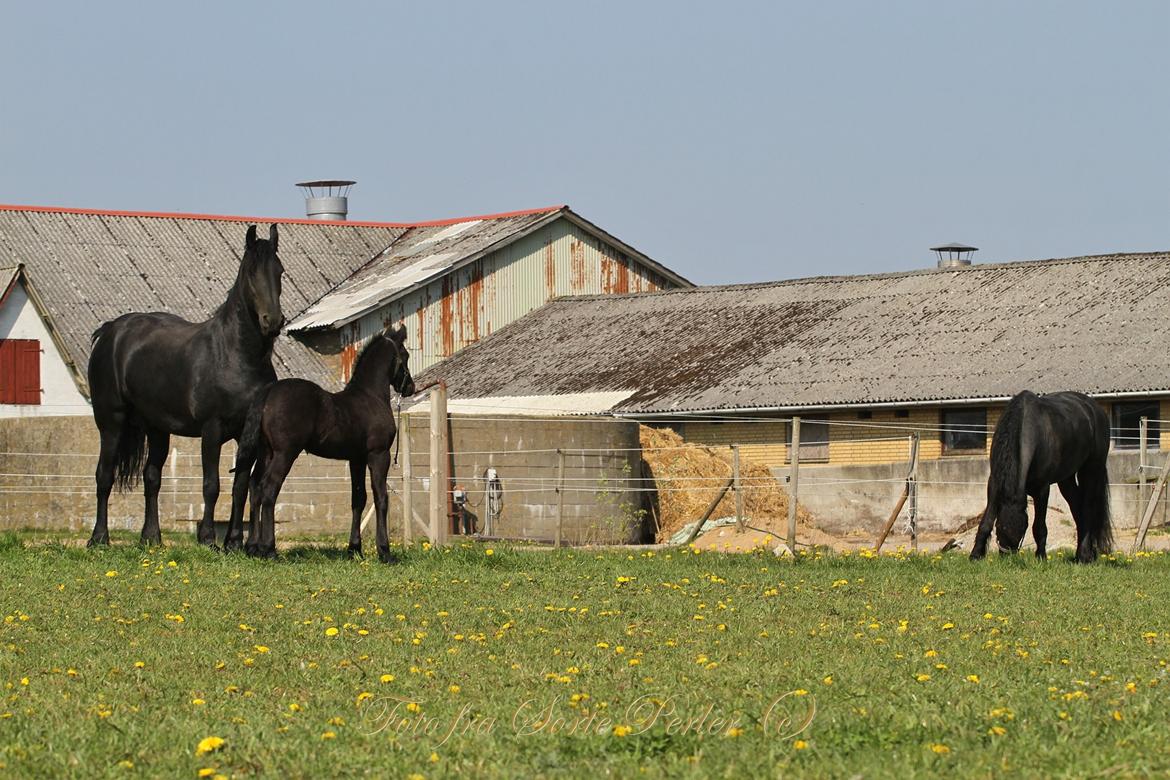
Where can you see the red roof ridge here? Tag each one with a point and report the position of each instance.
(280, 220)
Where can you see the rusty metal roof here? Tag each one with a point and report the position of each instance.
(427, 252)
(91, 266)
(1095, 324)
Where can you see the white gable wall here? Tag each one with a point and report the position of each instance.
(59, 393)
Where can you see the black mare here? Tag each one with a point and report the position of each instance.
(1060, 438)
(152, 375)
(356, 424)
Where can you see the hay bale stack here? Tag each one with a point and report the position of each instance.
(687, 477)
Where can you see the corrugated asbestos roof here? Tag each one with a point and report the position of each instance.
(1100, 325)
(419, 256)
(89, 267)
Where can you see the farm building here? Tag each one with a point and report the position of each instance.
(863, 360)
(65, 271)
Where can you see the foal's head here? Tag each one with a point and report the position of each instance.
(260, 272)
(400, 378)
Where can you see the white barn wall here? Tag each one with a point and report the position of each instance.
(59, 394)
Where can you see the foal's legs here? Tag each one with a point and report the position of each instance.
(1040, 525)
(212, 444)
(158, 447)
(379, 467)
(274, 475)
(258, 470)
(110, 432)
(357, 483)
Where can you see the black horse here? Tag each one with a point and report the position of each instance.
(295, 416)
(1060, 438)
(153, 375)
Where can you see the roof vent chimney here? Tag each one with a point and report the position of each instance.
(326, 199)
(954, 255)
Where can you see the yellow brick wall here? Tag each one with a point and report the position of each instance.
(763, 442)
(1164, 430)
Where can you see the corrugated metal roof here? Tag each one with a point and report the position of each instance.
(1094, 324)
(91, 266)
(419, 256)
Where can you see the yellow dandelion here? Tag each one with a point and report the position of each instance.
(363, 696)
(799, 744)
(997, 731)
(139, 664)
(454, 688)
(112, 573)
(940, 749)
(209, 745)
(206, 772)
(260, 648)
(828, 680)
(386, 678)
(198, 702)
(922, 677)
(331, 631)
(329, 735)
(413, 707)
(1117, 715)
(973, 678)
(621, 730)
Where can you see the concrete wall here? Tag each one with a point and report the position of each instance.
(601, 456)
(859, 498)
(59, 394)
(46, 480)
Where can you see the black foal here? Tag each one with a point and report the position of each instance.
(296, 416)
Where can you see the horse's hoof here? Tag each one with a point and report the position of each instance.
(385, 556)
(151, 541)
(232, 545)
(354, 551)
(976, 555)
(98, 541)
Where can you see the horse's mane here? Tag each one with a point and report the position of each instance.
(364, 354)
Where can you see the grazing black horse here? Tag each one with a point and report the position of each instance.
(153, 375)
(356, 425)
(1060, 438)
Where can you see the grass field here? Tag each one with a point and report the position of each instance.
(509, 662)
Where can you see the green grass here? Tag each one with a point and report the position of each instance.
(106, 655)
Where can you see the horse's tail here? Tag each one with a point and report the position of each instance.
(130, 455)
(250, 436)
(1095, 491)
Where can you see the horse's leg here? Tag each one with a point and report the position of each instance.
(1073, 495)
(979, 548)
(1095, 535)
(379, 467)
(254, 500)
(104, 476)
(211, 446)
(1040, 524)
(241, 479)
(357, 484)
(279, 464)
(158, 447)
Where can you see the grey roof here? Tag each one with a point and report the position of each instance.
(1095, 324)
(427, 252)
(91, 266)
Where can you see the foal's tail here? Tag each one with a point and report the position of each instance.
(250, 436)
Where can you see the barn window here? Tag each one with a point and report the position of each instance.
(814, 442)
(964, 431)
(1127, 420)
(20, 371)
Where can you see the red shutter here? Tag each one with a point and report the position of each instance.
(20, 371)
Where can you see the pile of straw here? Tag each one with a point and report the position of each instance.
(688, 476)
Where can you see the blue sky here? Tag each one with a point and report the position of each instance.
(731, 141)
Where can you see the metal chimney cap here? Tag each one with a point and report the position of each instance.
(326, 183)
(954, 248)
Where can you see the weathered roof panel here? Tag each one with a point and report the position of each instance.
(1095, 324)
(91, 266)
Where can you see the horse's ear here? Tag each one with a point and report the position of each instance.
(250, 238)
(272, 236)
(398, 334)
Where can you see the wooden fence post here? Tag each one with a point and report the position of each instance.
(560, 494)
(1144, 526)
(439, 486)
(407, 474)
(793, 483)
(912, 484)
(1143, 434)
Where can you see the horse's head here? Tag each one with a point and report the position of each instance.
(1011, 525)
(400, 378)
(260, 272)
